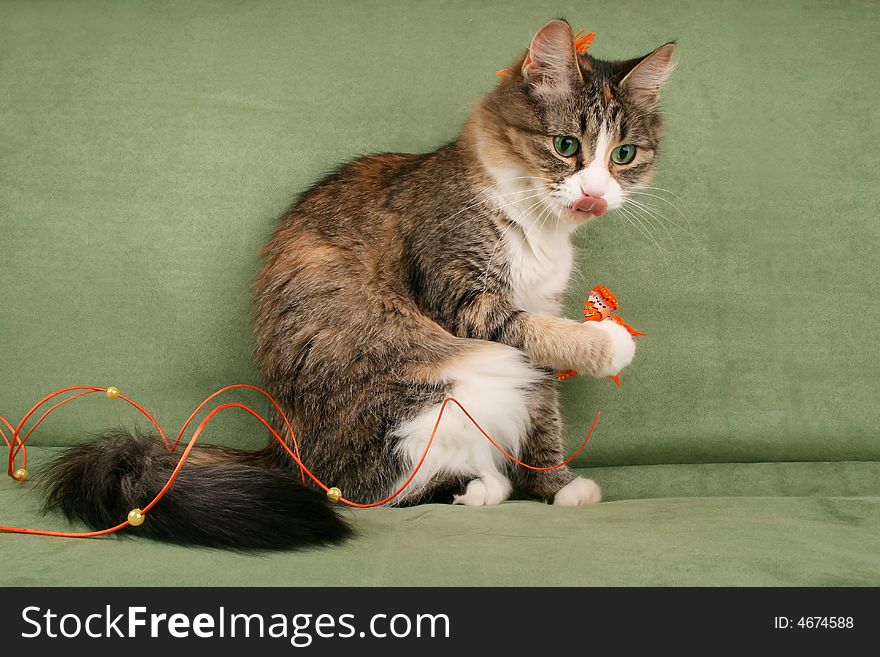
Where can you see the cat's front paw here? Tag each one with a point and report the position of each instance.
(577, 492)
(621, 347)
(490, 489)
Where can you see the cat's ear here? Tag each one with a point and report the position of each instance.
(551, 61)
(643, 81)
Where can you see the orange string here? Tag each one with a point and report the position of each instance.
(11, 466)
(271, 399)
(17, 444)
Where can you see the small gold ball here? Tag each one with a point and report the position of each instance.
(112, 392)
(333, 494)
(136, 517)
(20, 475)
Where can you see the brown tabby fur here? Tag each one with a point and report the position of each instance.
(380, 276)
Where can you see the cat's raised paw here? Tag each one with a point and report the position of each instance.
(577, 492)
(490, 489)
(623, 347)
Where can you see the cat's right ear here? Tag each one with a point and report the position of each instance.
(644, 79)
(551, 61)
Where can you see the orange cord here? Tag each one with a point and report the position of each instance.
(17, 445)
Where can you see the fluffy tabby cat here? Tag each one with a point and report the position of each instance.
(402, 279)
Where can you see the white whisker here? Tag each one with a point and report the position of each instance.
(493, 205)
(668, 202)
(644, 230)
(649, 212)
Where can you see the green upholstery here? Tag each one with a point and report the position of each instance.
(147, 148)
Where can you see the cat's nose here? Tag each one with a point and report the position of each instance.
(593, 188)
(590, 203)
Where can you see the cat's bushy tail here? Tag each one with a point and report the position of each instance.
(222, 498)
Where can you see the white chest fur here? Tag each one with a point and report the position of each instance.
(540, 261)
(537, 246)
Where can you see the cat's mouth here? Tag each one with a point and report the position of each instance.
(593, 204)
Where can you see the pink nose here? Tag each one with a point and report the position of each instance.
(590, 203)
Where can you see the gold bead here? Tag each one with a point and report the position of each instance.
(333, 494)
(136, 517)
(20, 475)
(112, 392)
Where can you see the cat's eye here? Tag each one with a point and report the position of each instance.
(623, 154)
(566, 145)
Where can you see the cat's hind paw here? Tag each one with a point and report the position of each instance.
(490, 489)
(577, 492)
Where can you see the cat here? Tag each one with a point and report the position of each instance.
(400, 280)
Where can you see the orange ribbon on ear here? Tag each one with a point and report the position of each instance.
(599, 306)
(583, 41)
(581, 45)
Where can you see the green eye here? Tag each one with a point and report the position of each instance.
(566, 145)
(623, 154)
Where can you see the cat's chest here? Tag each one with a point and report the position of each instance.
(539, 266)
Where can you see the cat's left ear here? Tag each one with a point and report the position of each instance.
(643, 82)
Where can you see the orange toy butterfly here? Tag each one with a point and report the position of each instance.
(599, 306)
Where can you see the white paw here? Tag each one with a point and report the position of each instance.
(623, 347)
(490, 489)
(578, 491)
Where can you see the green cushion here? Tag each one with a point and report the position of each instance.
(722, 524)
(147, 149)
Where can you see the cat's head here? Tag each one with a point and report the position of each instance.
(581, 130)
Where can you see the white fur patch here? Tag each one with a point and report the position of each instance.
(623, 347)
(577, 492)
(491, 383)
(490, 489)
(540, 262)
(538, 246)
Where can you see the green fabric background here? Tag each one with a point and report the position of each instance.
(147, 148)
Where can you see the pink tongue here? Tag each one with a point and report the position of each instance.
(593, 204)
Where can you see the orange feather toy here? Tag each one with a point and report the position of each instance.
(598, 307)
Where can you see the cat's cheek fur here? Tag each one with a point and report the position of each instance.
(492, 382)
(577, 492)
